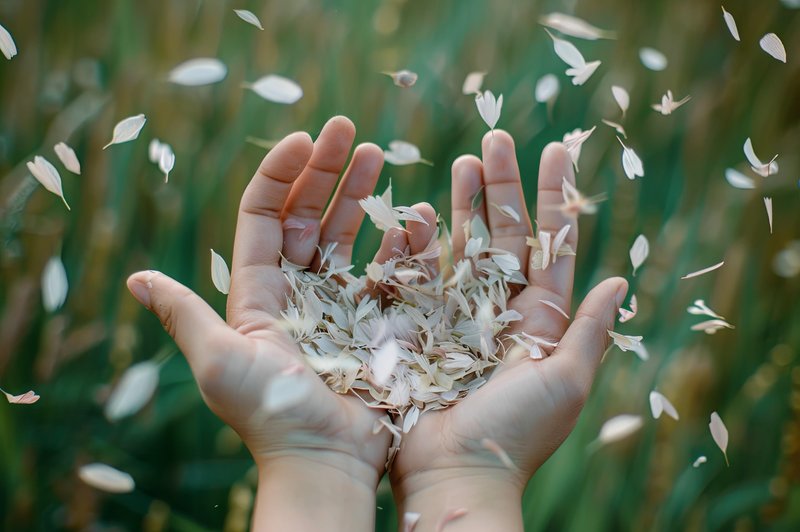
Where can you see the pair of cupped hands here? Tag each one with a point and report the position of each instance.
(319, 462)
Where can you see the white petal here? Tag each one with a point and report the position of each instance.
(639, 251)
(249, 17)
(508, 263)
(380, 213)
(403, 78)
(196, 72)
(133, 391)
(581, 74)
(659, 404)
(489, 108)
(738, 179)
(401, 153)
(106, 478)
(618, 127)
(567, 52)
(509, 315)
(720, 433)
(7, 45)
(166, 161)
(127, 129)
(545, 239)
(54, 284)
(653, 59)
(619, 427)
(384, 360)
(622, 97)
(154, 151)
(631, 163)
(574, 27)
(771, 44)
(731, 24)
(698, 273)
(473, 82)
(546, 88)
(768, 206)
(220, 274)
(554, 307)
(46, 174)
(699, 461)
(68, 158)
(507, 211)
(277, 89)
(410, 521)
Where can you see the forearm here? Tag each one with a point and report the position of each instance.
(299, 493)
(471, 500)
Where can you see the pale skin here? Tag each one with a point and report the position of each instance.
(319, 462)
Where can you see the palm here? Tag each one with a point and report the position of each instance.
(527, 408)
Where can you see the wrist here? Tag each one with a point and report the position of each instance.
(323, 490)
(491, 499)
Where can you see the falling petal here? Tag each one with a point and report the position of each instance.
(772, 44)
(383, 361)
(574, 27)
(197, 72)
(699, 461)
(106, 478)
(133, 391)
(489, 108)
(403, 78)
(68, 158)
(659, 404)
(631, 163)
(738, 180)
(567, 52)
(720, 434)
(573, 142)
(249, 17)
(619, 427)
(401, 153)
(46, 174)
(703, 271)
(54, 284)
(699, 307)
(639, 251)
(154, 150)
(277, 89)
(731, 23)
(581, 74)
(626, 315)
(668, 103)
(711, 326)
(653, 59)
(629, 343)
(546, 88)
(127, 129)
(220, 274)
(768, 206)
(619, 129)
(166, 161)
(622, 97)
(7, 45)
(473, 82)
(27, 398)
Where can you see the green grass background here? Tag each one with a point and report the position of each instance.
(84, 65)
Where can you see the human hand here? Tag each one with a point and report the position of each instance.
(528, 407)
(318, 458)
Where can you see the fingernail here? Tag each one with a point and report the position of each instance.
(140, 292)
(622, 291)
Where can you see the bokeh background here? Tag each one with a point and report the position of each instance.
(84, 65)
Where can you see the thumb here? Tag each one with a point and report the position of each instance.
(579, 352)
(194, 325)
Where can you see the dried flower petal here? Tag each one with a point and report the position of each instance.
(127, 129)
(249, 17)
(720, 434)
(106, 478)
(68, 158)
(197, 72)
(220, 274)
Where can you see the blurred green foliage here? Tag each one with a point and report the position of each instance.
(84, 65)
